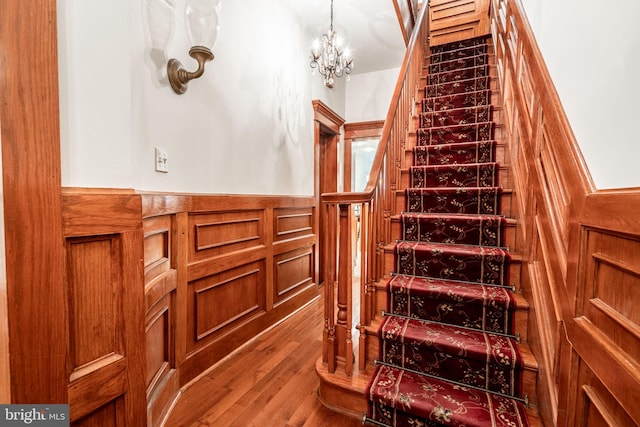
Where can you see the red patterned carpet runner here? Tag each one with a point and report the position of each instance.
(404, 398)
(447, 354)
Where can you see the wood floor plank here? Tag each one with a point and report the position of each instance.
(271, 381)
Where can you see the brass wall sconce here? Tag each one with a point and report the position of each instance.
(203, 26)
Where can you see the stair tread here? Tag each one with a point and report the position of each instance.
(456, 248)
(507, 220)
(515, 257)
(450, 289)
(452, 166)
(520, 301)
(473, 357)
(439, 334)
(486, 308)
(428, 397)
(529, 360)
(502, 190)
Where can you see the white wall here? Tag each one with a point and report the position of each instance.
(368, 95)
(592, 52)
(246, 126)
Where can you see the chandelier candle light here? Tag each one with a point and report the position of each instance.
(330, 57)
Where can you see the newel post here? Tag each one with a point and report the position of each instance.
(345, 310)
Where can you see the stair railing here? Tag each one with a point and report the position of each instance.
(376, 205)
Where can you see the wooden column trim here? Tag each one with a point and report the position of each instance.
(327, 118)
(31, 173)
(326, 122)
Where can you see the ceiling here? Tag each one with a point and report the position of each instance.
(370, 28)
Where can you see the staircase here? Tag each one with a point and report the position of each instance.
(451, 343)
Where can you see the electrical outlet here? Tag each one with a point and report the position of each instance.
(162, 160)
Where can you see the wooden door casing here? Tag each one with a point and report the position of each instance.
(35, 334)
(327, 125)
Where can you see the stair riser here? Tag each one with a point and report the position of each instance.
(505, 203)
(521, 323)
(462, 44)
(456, 64)
(529, 373)
(455, 117)
(498, 157)
(462, 74)
(433, 60)
(444, 261)
(461, 100)
(455, 134)
(433, 362)
(515, 269)
(459, 86)
(459, 53)
(502, 181)
(479, 317)
(508, 232)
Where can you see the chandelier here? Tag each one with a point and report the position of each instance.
(330, 57)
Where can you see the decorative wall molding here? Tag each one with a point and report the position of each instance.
(173, 283)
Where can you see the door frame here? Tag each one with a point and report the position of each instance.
(356, 130)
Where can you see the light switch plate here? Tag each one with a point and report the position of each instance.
(162, 160)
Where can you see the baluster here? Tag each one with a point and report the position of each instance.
(365, 278)
(366, 285)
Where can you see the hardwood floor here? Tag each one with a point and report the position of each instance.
(271, 381)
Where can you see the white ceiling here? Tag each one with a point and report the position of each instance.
(370, 28)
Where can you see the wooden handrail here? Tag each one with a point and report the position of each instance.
(376, 206)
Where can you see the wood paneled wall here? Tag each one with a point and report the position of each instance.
(104, 299)
(161, 287)
(581, 246)
(451, 20)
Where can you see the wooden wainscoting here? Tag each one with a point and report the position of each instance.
(580, 246)
(605, 363)
(161, 287)
(105, 308)
(254, 254)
